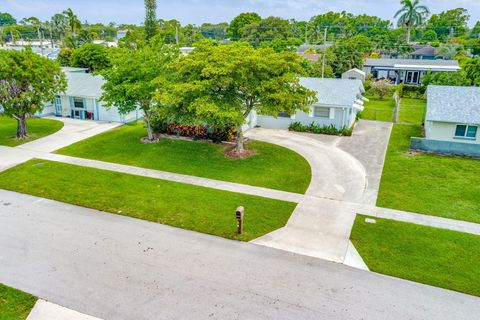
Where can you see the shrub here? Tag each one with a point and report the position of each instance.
(381, 88)
(315, 128)
(413, 92)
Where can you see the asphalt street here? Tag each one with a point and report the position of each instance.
(115, 267)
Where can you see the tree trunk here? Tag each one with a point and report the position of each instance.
(239, 143)
(148, 125)
(409, 31)
(22, 127)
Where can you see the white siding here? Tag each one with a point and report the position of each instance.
(445, 131)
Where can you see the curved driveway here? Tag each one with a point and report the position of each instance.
(335, 173)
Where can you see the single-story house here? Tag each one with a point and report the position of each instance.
(339, 101)
(424, 52)
(354, 74)
(81, 100)
(452, 121)
(408, 71)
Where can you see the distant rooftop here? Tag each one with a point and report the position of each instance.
(334, 92)
(416, 62)
(453, 104)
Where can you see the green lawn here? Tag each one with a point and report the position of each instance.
(15, 304)
(437, 257)
(427, 183)
(36, 128)
(377, 109)
(412, 110)
(181, 205)
(272, 166)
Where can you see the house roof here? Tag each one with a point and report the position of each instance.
(334, 92)
(84, 85)
(306, 47)
(410, 62)
(424, 50)
(310, 56)
(453, 104)
(355, 70)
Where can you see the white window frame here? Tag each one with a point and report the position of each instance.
(466, 131)
(323, 117)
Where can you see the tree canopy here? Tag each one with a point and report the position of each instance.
(95, 57)
(27, 82)
(235, 30)
(411, 14)
(222, 84)
(130, 80)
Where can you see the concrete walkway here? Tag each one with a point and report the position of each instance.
(116, 267)
(44, 310)
(72, 131)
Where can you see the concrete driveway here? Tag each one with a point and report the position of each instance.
(346, 173)
(116, 267)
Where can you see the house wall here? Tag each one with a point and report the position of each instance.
(352, 74)
(337, 118)
(445, 131)
(100, 112)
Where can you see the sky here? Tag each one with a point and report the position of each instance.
(214, 11)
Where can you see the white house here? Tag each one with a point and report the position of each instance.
(81, 100)
(354, 74)
(452, 121)
(339, 101)
(408, 71)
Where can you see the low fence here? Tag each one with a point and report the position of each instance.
(446, 147)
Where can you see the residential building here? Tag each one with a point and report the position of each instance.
(81, 100)
(424, 52)
(121, 34)
(354, 74)
(452, 121)
(408, 71)
(339, 101)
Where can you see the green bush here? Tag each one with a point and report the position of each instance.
(315, 128)
(413, 92)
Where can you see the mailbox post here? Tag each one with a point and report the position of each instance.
(239, 213)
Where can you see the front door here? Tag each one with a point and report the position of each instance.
(58, 106)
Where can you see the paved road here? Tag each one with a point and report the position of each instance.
(115, 267)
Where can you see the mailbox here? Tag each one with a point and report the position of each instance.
(239, 213)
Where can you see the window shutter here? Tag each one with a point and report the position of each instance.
(332, 113)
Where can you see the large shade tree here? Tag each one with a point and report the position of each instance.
(130, 79)
(222, 84)
(27, 82)
(411, 14)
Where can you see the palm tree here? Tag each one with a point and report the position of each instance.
(73, 21)
(412, 14)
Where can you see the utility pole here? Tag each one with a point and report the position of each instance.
(306, 33)
(324, 51)
(176, 35)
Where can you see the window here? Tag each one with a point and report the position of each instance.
(464, 131)
(78, 103)
(283, 115)
(321, 112)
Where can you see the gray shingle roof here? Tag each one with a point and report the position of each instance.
(453, 104)
(84, 85)
(334, 92)
(415, 62)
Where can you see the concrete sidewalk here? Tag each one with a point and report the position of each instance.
(116, 267)
(44, 310)
(72, 131)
